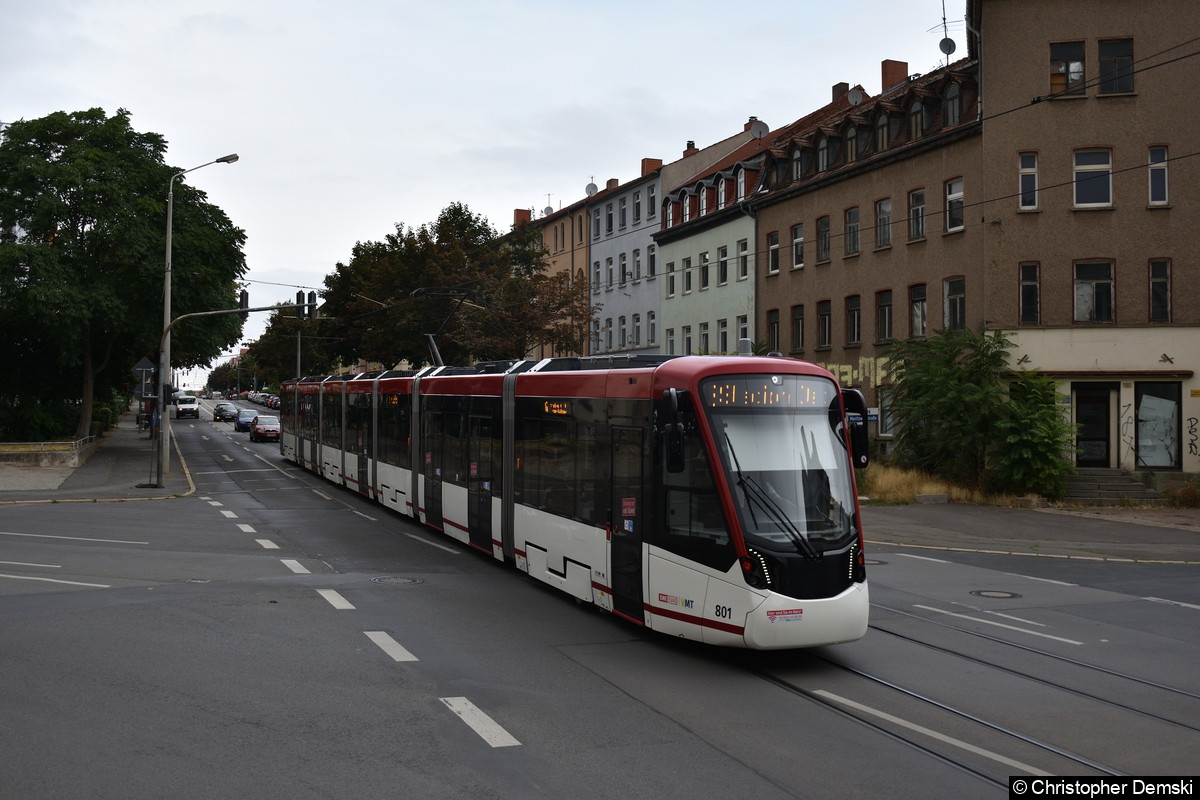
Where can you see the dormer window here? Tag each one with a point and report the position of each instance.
(741, 185)
(687, 208)
(703, 200)
(721, 193)
(953, 105)
(916, 120)
(881, 133)
(797, 164)
(851, 144)
(824, 153)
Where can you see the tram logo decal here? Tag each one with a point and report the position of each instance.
(672, 600)
(785, 615)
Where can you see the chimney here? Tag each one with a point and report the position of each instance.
(840, 89)
(750, 123)
(691, 149)
(649, 165)
(612, 184)
(894, 73)
(522, 216)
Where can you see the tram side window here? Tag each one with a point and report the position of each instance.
(308, 416)
(331, 420)
(394, 431)
(454, 448)
(590, 484)
(358, 423)
(547, 466)
(695, 522)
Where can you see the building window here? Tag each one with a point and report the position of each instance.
(797, 164)
(797, 328)
(883, 222)
(916, 121)
(596, 224)
(596, 276)
(851, 238)
(1066, 68)
(722, 265)
(743, 247)
(797, 246)
(608, 270)
(723, 335)
(853, 320)
(686, 266)
(1093, 291)
(773, 330)
(1028, 182)
(624, 268)
(952, 105)
(823, 154)
(916, 214)
(670, 279)
(704, 270)
(687, 340)
(637, 330)
(595, 335)
(670, 213)
(773, 252)
(608, 218)
(622, 216)
(917, 325)
(825, 324)
(1093, 178)
(703, 200)
(743, 326)
(670, 341)
(686, 201)
(651, 327)
(1159, 424)
(637, 265)
(637, 206)
(621, 331)
(954, 205)
(1158, 176)
(1160, 290)
(651, 206)
(881, 133)
(704, 337)
(883, 315)
(1030, 294)
(955, 290)
(1116, 66)
(721, 193)
(823, 239)
(651, 255)
(741, 185)
(851, 144)
(608, 334)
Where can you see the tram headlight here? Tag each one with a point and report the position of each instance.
(756, 571)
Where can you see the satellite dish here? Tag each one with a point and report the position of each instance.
(759, 129)
(854, 96)
(592, 189)
(547, 211)
(947, 45)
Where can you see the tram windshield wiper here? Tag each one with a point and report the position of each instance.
(755, 494)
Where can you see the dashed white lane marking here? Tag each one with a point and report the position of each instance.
(941, 737)
(423, 540)
(296, 567)
(480, 722)
(390, 646)
(1171, 602)
(336, 600)
(244, 528)
(267, 544)
(229, 515)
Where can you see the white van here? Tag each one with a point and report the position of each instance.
(187, 406)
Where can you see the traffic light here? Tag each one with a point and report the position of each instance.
(168, 394)
(244, 303)
(300, 305)
(312, 305)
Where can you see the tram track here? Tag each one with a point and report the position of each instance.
(1026, 675)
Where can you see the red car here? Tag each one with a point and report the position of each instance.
(264, 429)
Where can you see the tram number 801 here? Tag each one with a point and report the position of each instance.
(723, 612)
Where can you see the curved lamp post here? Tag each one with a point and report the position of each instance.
(164, 356)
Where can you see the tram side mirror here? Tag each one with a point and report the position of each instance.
(856, 418)
(674, 429)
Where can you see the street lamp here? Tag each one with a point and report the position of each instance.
(164, 356)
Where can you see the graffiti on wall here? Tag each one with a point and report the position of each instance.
(865, 372)
(1192, 443)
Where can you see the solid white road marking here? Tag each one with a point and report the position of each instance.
(336, 600)
(1043, 580)
(55, 580)
(480, 722)
(423, 540)
(998, 624)
(390, 646)
(69, 538)
(941, 737)
(1171, 602)
(923, 558)
(26, 564)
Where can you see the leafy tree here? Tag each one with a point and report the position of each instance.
(485, 296)
(962, 415)
(83, 198)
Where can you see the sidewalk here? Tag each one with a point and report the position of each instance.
(123, 459)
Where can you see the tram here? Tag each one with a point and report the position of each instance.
(710, 498)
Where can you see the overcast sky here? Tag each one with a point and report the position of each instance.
(351, 117)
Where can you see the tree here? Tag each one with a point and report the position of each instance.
(961, 414)
(485, 296)
(84, 197)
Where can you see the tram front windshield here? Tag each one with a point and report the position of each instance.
(778, 440)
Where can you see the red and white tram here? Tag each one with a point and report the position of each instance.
(711, 498)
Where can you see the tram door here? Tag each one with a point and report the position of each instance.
(432, 469)
(626, 515)
(479, 481)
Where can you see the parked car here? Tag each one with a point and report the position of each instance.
(187, 406)
(244, 417)
(224, 411)
(264, 429)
